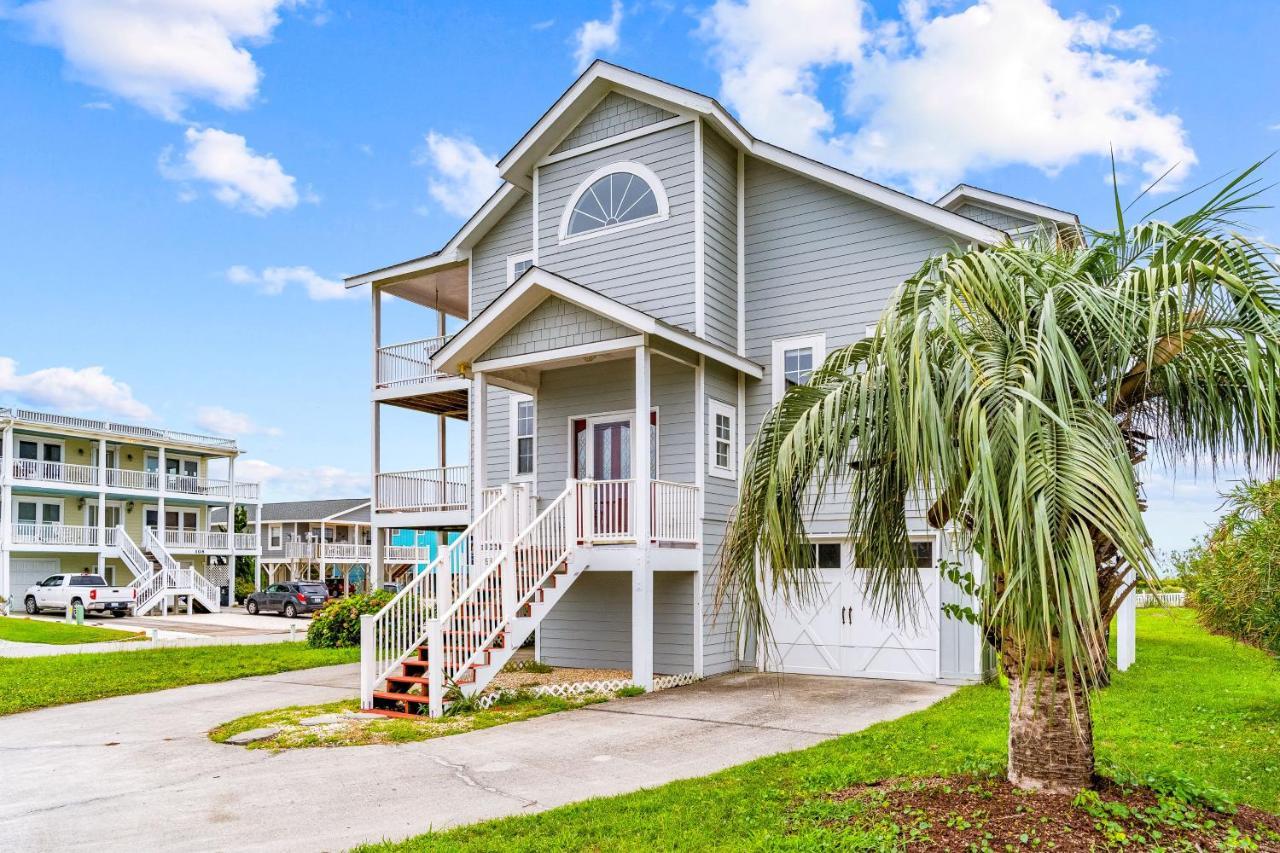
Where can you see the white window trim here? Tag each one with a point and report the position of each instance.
(715, 407)
(818, 343)
(275, 537)
(512, 449)
(41, 443)
(512, 260)
(40, 504)
(642, 172)
(606, 417)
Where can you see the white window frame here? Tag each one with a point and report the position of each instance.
(642, 172)
(818, 343)
(714, 408)
(41, 443)
(513, 448)
(512, 260)
(40, 503)
(275, 537)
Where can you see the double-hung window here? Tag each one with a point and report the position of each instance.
(277, 536)
(722, 444)
(523, 428)
(794, 360)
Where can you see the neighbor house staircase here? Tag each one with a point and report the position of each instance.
(160, 580)
(459, 622)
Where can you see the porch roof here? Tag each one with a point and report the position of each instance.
(538, 284)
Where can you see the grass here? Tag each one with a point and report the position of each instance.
(361, 732)
(30, 683)
(1195, 707)
(23, 630)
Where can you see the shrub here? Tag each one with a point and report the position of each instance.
(244, 589)
(337, 624)
(1233, 576)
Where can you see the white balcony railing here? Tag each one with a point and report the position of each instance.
(343, 552)
(605, 510)
(63, 535)
(675, 512)
(207, 487)
(407, 363)
(131, 430)
(55, 472)
(204, 540)
(120, 478)
(424, 490)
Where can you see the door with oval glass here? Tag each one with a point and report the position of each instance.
(602, 452)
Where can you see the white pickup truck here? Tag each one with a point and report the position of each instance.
(90, 591)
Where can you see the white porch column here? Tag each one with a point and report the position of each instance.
(379, 556)
(480, 388)
(375, 421)
(163, 477)
(102, 506)
(6, 512)
(641, 575)
(442, 421)
(324, 567)
(1127, 629)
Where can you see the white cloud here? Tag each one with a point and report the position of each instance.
(596, 37)
(274, 280)
(281, 483)
(239, 177)
(220, 421)
(937, 94)
(160, 54)
(462, 175)
(86, 390)
(98, 105)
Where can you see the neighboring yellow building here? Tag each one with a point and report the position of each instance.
(129, 502)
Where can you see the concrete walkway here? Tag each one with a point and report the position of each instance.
(228, 628)
(138, 772)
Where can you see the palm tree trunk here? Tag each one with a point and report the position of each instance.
(1050, 739)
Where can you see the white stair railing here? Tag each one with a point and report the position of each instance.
(494, 598)
(132, 555)
(179, 577)
(388, 637)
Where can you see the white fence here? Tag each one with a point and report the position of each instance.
(1158, 599)
(65, 535)
(426, 489)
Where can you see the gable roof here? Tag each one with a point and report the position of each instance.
(533, 287)
(318, 510)
(591, 87)
(967, 193)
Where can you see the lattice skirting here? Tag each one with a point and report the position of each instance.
(578, 688)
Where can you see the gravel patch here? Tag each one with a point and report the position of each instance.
(559, 675)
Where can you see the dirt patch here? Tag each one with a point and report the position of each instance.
(967, 813)
(559, 675)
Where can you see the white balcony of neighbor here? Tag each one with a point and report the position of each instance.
(206, 542)
(425, 497)
(67, 474)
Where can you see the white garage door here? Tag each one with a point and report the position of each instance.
(840, 633)
(25, 571)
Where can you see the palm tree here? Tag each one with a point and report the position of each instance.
(1016, 390)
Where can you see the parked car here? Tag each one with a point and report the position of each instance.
(92, 592)
(288, 598)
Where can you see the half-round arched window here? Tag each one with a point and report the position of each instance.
(620, 195)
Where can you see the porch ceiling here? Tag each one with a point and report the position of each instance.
(444, 288)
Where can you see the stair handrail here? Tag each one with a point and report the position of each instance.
(476, 616)
(133, 556)
(389, 636)
(152, 543)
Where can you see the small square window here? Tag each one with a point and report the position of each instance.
(922, 553)
(723, 455)
(518, 265)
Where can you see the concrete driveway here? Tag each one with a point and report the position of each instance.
(138, 772)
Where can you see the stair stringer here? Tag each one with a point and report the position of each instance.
(520, 628)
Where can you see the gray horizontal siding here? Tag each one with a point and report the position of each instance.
(552, 325)
(720, 637)
(591, 625)
(819, 261)
(995, 218)
(512, 235)
(720, 238)
(649, 267)
(615, 114)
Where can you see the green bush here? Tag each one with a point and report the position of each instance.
(1233, 576)
(337, 624)
(244, 589)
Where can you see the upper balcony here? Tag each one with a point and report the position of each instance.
(429, 497)
(405, 377)
(129, 482)
(139, 433)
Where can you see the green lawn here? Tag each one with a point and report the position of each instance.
(29, 683)
(1194, 705)
(24, 630)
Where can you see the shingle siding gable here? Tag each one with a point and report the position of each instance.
(614, 115)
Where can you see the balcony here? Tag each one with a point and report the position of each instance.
(73, 536)
(144, 434)
(425, 490)
(203, 541)
(87, 476)
(342, 552)
(404, 377)
(606, 512)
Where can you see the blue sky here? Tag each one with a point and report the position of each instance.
(183, 184)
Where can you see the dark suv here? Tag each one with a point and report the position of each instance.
(288, 598)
